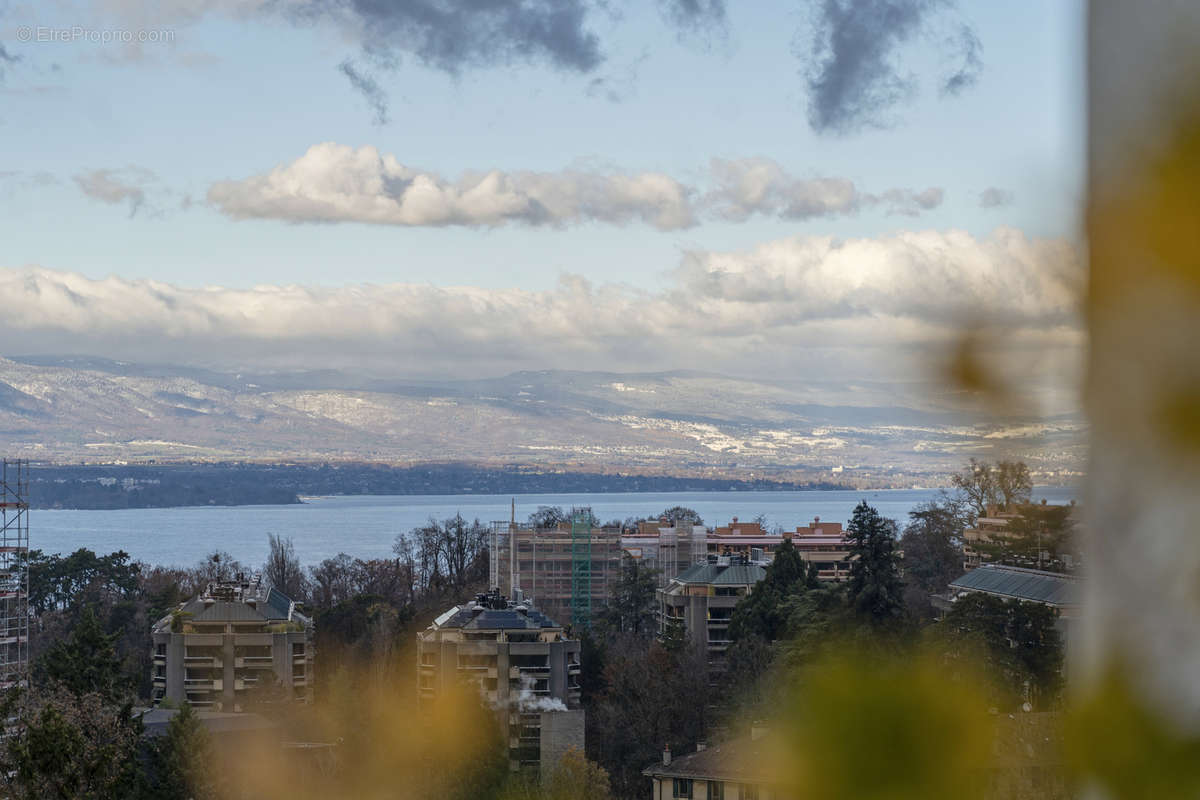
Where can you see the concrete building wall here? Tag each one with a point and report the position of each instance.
(283, 665)
(561, 730)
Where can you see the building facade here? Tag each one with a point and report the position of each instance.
(739, 769)
(524, 665)
(540, 565)
(237, 640)
(701, 599)
(1000, 525)
(824, 544)
(666, 547)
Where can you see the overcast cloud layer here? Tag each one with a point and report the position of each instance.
(862, 306)
(337, 183)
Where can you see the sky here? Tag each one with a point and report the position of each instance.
(428, 187)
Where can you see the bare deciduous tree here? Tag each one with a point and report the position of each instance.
(283, 570)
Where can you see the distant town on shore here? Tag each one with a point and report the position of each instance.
(234, 484)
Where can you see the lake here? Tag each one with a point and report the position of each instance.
(365, 526)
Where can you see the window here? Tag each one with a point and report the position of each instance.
(682, 787)
(716, 790)
(749, 792)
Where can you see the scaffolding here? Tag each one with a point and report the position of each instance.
(14, 573)
(581, 567)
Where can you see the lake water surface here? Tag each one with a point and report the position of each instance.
(365, 526)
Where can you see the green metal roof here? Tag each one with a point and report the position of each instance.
(722, 575)
(1021, 584)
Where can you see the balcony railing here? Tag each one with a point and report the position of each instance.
(254, 662)
(199, 661)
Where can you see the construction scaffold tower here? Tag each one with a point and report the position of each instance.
(14, 574)
(581, 567)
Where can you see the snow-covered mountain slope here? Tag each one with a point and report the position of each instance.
(95, 410)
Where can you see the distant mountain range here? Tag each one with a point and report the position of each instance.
(72, 409)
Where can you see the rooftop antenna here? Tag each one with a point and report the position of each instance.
(512, 549)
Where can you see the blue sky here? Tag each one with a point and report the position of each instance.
(747, 286)
(229, 99)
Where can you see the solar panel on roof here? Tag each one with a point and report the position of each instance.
(1022, 584)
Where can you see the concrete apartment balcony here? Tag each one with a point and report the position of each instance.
(199, 661)
(252, 639)
(254, 662)
(202, 684)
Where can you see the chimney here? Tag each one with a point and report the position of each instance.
(667, 756)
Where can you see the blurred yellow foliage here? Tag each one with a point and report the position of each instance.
(864, 729)
(1115, 742)
(366, 738)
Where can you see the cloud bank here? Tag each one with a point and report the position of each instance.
(337, 183)
(811, 304)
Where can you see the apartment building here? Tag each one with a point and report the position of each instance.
(824, 544)
(669, 548)
(702, 599)
(998, 525)
(237, 640)
(540, 563)
(524, 665)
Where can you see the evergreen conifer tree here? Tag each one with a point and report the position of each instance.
(875, 589)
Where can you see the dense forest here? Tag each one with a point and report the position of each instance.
(232, 484)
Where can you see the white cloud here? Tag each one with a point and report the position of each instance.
(117, 186)
(337, 183)
(928, 276)
(803, 305)
(761, 186)
(908, 202)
